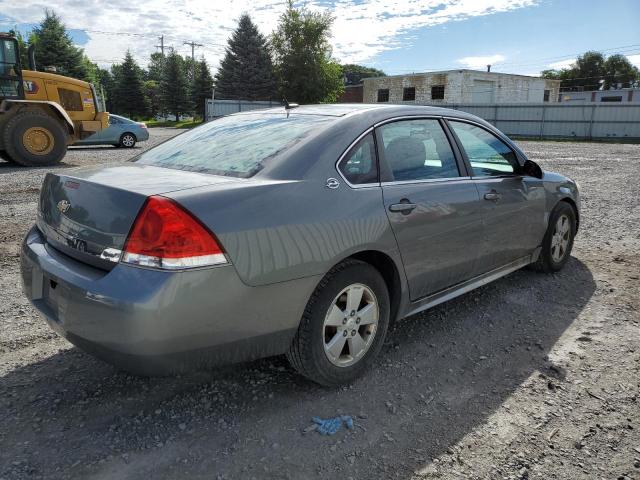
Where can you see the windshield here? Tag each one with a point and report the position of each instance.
(9, 81)
(237, 145)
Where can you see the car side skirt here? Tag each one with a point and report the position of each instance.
(471, 284)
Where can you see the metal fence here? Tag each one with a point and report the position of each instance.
(537, 120)
(218, 108)
(558, 120)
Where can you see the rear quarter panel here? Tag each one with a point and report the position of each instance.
(276, 231)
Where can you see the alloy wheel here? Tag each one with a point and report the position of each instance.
(560, 238)
(128, 141)
(350, 325)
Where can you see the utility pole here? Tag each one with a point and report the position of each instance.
(193, 56)
(161, 46)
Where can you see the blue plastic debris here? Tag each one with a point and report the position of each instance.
(330, 426)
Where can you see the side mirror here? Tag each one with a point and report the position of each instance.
(532, 169)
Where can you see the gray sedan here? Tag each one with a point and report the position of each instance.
(122, 132)
(303, 231)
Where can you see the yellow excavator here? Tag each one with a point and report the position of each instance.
(42, 113)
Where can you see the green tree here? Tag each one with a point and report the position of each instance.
(129, 95)
(246, 72)
(202, 86)
(54, 47)
(174, 87)
(155, 67)
(592, 71)
(619, 71)
(304, 68)
(353, 74)
(152, 94)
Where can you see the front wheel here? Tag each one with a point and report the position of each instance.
(34, 139)
(127, 140)
(558, 240)
(343, 326)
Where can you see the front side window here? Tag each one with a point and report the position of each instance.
(360, 166)
(383, 95)
(237, 145)
(417, 150)
(9, 83)
(488, 155)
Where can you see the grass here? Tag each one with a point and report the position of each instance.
(173, 123)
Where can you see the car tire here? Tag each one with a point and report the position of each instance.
(329, 320)
(558, 239)
(128, 140)
(49, 147)
(5, 156)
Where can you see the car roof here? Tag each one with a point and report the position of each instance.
(344, 109)
(119, 117)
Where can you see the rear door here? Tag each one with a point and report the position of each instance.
(431, 203)
(513, 204)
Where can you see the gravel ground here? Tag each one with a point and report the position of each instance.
(532, 376)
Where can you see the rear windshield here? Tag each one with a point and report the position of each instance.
(236, 146)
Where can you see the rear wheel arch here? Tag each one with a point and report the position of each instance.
(385, 265)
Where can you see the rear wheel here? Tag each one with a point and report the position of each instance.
(558, 240)
(128, 140)
(34, 139)
(343, 326)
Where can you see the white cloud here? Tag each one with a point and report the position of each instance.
(361, 29)
(635, 59)
(481, 62)
(562, 64)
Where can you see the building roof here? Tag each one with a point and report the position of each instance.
(461, 70)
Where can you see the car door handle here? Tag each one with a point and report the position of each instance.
(493, 196)
(402, 207)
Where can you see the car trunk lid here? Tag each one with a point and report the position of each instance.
(87, 213)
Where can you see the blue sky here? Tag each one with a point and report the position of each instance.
(398, 36)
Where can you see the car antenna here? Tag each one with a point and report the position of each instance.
(288, 106)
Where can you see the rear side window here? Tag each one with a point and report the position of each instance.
(70, 100)
(360, 166)
(417, 150)
(488, 155)
(236, 146)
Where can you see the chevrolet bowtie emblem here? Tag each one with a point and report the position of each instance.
(63, 206)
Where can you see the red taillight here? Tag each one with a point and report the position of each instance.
(164, 235)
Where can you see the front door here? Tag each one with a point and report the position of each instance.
(433, 208)
(513, 204)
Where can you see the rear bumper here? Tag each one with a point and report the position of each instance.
(152, 322)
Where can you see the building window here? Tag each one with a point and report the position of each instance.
(611, 99)
(70, 100)
(409, 94)
(383, 95)
(547, 94)
(437, 92)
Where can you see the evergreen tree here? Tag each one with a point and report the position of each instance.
(202, 86)
(155, 67)
(129, 92)
(105, 87)
(152, 94)
(246, 72)
(174, 88)
(54, 47)
(303, 64)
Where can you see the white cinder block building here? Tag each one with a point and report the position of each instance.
(461, 87)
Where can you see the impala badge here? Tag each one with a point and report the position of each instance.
(63, 206)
